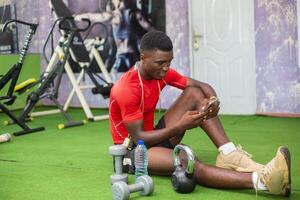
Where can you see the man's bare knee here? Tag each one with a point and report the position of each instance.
(194, 93)
(208, 90)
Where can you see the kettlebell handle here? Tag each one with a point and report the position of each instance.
(190, 156)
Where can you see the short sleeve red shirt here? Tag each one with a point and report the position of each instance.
(126, 102)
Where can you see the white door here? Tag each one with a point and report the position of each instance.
(222, 34)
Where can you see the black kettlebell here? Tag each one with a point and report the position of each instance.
(183, 180)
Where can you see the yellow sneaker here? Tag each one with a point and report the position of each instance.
(276, 175)
(238, 160)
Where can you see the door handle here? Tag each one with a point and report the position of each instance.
(196, 40)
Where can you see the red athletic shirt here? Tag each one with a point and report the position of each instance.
(126, 102)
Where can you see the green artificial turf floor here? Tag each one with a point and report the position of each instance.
(74, 163)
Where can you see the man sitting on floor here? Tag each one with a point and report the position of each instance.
(133, 101)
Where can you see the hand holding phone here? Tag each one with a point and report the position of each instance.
(213, 102)
(211, 109)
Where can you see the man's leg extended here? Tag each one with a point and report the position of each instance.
(161, 163)
(274, 177)
(230, 157)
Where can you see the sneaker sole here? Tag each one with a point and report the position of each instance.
(286, 153)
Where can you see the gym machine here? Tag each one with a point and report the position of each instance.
(50, 80)
(12, 76)
(80, 55)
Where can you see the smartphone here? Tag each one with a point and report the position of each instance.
(210, 104)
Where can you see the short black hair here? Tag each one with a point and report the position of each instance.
(156, 40)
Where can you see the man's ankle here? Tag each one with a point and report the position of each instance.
(257, 184)
(227, 148)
